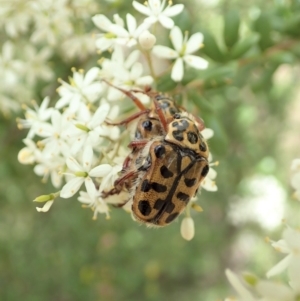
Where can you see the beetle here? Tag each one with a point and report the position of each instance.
(168, 162)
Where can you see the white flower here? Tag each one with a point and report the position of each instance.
(116, 33)
(187, 228)
(95, 202)
(128, 37)
(15, 17)
(10, 67)
(30, 153)
(290, 245)
(88, 129)
(107, 40)
(295, 178)
(124, 73)
(36, 116)
(37, 64)
(50, 166)
(83, 173)
(156, 11)
(54, 141)
(182, 53)
(52, 20)
(81, 89)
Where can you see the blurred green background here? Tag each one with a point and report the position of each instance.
(250, 97)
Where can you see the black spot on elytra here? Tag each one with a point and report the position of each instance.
(178, 135)
(165, 172)
(170, 207)
(172, 111)
(146, 186)
(171, 217)
(190, 182)
(164, 104)
(203, 147)
(192, 137)
(183, 196)
(182, 125)
(158, 204)
(144, 207)
(177, 116)
(159, 151)
(147, 125)
(158, 187)
(205, 171)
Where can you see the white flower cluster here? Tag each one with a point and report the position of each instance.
(32, 32)
(252, 288)
(73, 142)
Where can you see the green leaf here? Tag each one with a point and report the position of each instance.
(243, 46)
(263, 26)
(231, 28)
(211, 48)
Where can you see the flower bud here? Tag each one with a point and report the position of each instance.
(147, 40)
(187, 228)
(25, 156)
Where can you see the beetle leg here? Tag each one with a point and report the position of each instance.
(122, 180)
(138, 143)
(161, 116)
(130, 118)
(129, 94)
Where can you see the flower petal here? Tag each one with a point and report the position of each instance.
(46, 207)
(196, 61)
(293, 273)
(87, 157)
(274, 290)
(132, 58)
(238, 286)
(73, 165)
(176, 38)
(144, 80)
(177, 70)
(71, 187)
(141, 8)
(91, 75)
(131, 23)
(279, 267)
(166, 21)
(174, 10)
(90, 187)
(164, 52)
(102, 22)
(99, 116)
(194, 43)
(100, 171)
(136, 71)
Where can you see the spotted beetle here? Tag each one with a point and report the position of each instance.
(168, 162)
